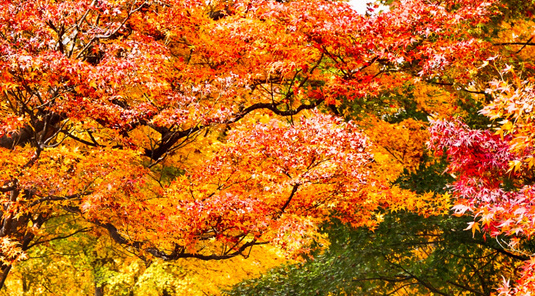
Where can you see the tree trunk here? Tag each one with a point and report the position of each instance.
(99, 290)
(4, 272)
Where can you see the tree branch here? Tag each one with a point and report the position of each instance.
(524, 44)
(59, 237)
(171, 138)
(178, 252)
(294, 190)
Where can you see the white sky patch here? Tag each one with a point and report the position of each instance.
(360, 6)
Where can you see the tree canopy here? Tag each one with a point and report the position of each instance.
(200, 129)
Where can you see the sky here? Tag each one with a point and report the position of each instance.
(360, 5)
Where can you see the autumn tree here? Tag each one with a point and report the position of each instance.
(89, 264)
(488, 141)
(492, 162)
(190, 129)
(407, 254)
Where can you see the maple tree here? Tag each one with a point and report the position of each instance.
(405, 255)
(493, 181)
(86, 264)
(189, 129)
(492, 162)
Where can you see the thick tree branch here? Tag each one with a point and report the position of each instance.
(292, 194)
(178, 252)
(171, 138)
(28, 133)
